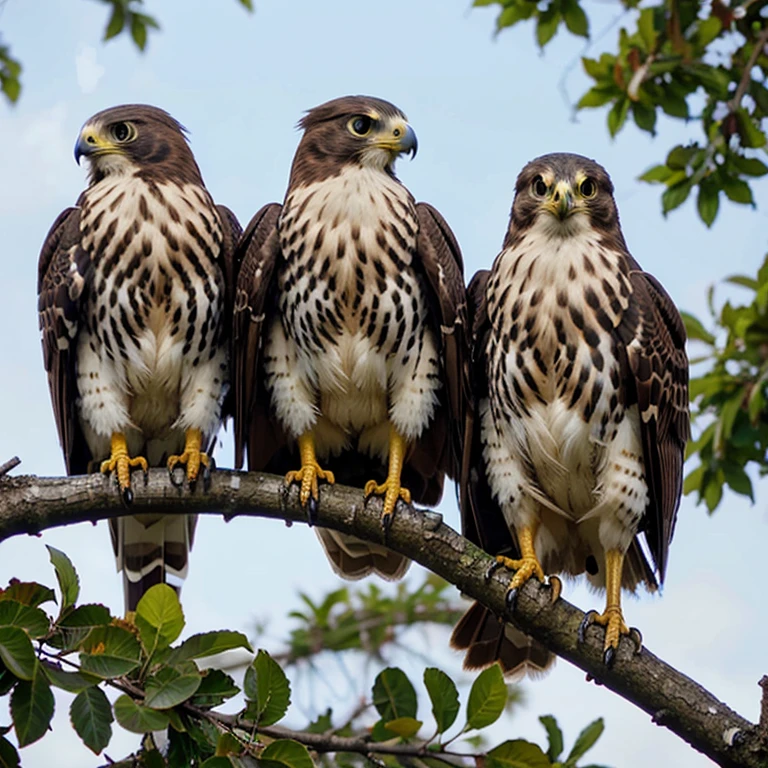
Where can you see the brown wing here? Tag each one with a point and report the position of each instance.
(257, 254)
(62, 272)
(440, 257)
(653, 335)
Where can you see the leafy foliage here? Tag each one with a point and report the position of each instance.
(731, 394)
(85, 650)
(696, 60)
(10, 85)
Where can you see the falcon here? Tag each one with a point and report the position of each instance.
(581, 383)
(348, 327)
(134, 285)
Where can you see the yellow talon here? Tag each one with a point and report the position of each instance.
(193, 457)
(391, 488)
(310, 471)
(121, 464)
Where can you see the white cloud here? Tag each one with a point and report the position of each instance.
(89, 71)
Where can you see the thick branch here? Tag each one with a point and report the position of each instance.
(30, 505)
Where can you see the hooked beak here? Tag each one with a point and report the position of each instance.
(90, 143)
(561, 202)
(408, 142)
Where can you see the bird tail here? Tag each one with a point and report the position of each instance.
(487, 640)
(151, 549)
(352, 558)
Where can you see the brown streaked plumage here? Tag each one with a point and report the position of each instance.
(577, 442)
(349, 327)
(135, 290)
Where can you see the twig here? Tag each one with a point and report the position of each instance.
(9, 465)
(746, 75)
(29, 505)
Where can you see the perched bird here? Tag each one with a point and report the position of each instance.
(134, 286)
(348, 328)
(581, 380)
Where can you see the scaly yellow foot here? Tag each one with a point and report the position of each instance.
(308, 476)
(391, 489)
(611, 618)
(525, 568)
(193, 457)
(121, 464)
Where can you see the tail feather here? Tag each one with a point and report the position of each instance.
(487, 640)
(352, 558)
(151, 549)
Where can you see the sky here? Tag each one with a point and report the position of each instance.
(481, 107)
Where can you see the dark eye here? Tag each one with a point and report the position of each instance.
(539, 187)
(588, 188)
(121, 131)
(360, 125)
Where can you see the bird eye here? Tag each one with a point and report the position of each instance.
(538, 187)
(361, 125)
(588, 188)
(123, 132)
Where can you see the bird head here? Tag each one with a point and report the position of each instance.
(563, 194)
(352, 130)
(136, 138)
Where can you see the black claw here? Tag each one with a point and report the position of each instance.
(585, 624)
(386, 522)
(206, 479)
(174, 481)
(511, 599)
(492, 568)
(637, 638)
(127, 497)
(312, 511)
(609, 657)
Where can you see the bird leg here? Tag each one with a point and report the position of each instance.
(611, 618)
(193, 457)
(391, 488)
(525, 568)
(121, 463)
(308, 475)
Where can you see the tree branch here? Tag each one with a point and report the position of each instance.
(29, 504)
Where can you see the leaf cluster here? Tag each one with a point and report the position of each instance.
(731, 395)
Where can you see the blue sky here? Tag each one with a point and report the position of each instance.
(481, 109)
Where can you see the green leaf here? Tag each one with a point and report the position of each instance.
(248, 4)
(708, 30)
(679, 157)
(517, 754)
(546, 26)
(17, 652)
(487, 698)
(646, 29)
(659, 173)
(9, 757)
(674, 105)
(617, 116)
(575, 18)
(585, 741)
(73, 682)
(596, 97)
(693, 480)
(674, 196)
(750, 134)
(738, 480)
(267, 689)
(169, 687)
(393, 694)
(404, 727)
(28, 593)
(713, 493)
(288, 753)
(518, 11)
(695, 328)
(116, 23)
(737, 190)
(708, 202)
(749, 166)
(32, 620)
(444, 697)
(91, 717)
(645, 117)
(31, 708)
(138, 32)
(110, 652)
(554, 736)
(207, 644)
(75, 626)
(159, 618)
(66, 576)
(215, 688)
(138, 719)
